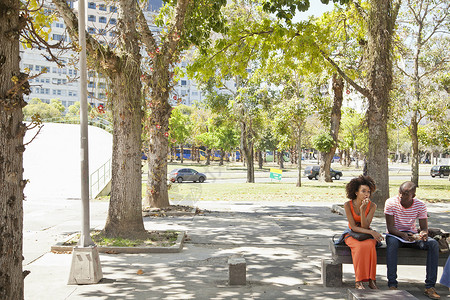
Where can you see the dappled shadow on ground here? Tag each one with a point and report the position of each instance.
(283, 248)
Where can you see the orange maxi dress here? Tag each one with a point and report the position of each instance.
(364, 253)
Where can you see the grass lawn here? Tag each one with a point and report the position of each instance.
(430, 189)
(310, 191)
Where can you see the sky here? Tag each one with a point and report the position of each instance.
(316, 9)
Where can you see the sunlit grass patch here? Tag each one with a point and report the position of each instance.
(153, 239)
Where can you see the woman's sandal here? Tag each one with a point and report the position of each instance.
(359, 285)
(373, 284)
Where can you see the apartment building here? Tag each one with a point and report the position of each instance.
(61, 82)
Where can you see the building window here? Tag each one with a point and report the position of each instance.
(90, 95)
(101, 96)
(41, 68)
(102, 20)
(112, 21)
(58, 37)
(102, 7)
(91, 30)
(101, 85)
(113, 9)
(102, 31)
(91, 5)
(91, 84)
(112, 33)
(72, 93)
(91, 18)
(30, 67)
(183, 82)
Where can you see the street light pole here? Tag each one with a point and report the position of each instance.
(86, 268)
(85, 238)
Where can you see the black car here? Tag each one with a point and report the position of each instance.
(313, 172)
(185, 174)
(440, 171)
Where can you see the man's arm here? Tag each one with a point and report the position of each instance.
(423, 223)
(393, 230)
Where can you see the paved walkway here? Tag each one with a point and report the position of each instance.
(283, 245)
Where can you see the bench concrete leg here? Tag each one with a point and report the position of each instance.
(331, 273)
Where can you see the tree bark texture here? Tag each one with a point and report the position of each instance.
(12, 131)
(247, 150)
(222, 154)
(413, 129)
(157, 193)
(299, 158)
(281, 159)
(125, 208)
(260, 160)
(381, 26)
(335, 122)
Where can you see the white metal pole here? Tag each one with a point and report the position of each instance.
(85, 238)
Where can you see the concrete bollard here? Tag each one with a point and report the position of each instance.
(331, 273)
(86, 268)
(237, 270)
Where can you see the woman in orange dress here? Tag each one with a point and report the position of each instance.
(359, 211)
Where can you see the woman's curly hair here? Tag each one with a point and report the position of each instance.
(353, 186)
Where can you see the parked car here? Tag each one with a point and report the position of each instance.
(185, 174)
(440, 171)
(313, 172)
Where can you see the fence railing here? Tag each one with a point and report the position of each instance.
(99, 179)
(97, 122)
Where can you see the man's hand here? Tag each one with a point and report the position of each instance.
(407, 236)
(423, 235)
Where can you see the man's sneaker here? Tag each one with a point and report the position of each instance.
(431, 293)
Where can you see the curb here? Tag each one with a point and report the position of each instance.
(338, 208)
(60, 247)
(169, 213)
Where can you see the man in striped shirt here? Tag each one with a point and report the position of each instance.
(401, 213)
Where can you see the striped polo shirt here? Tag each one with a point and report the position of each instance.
(405, 218)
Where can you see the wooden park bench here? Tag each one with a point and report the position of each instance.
(341, 254)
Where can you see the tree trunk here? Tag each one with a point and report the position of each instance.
(125, 207)
(247, 151)
(12, 131)
(335, 122)
(157, 194)
(260, 160)
(208, 157)
(381, 25)
(281, 159)
(222, 154)
(299, 158)
(415, 149)
(325, 165)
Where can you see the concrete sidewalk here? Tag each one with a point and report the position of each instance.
(283, 244)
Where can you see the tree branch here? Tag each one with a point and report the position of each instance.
(362, 13)
(360, 89)
(71, 21)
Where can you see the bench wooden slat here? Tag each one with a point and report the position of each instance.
(406, 256)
